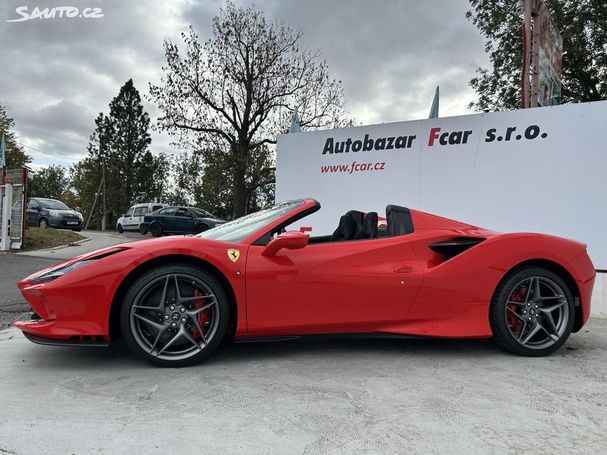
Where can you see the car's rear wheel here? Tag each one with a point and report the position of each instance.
(43, 223)
(120, 229)
(143, 230)
(175, 315)
(532, 312)
(201, 228)
(156, 229)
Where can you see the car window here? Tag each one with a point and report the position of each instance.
(169, 211)
(156, 207)
(129, 212)
(200, 213)
(53, 204)
(182, 211)
(33, 204)
(140, 211)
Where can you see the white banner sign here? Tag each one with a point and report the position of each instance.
(533, 170)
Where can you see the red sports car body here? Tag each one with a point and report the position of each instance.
(252, 278)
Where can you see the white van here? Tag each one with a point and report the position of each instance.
(131, 220)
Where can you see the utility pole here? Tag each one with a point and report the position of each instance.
(88, 220)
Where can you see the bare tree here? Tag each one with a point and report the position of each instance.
(238, 90)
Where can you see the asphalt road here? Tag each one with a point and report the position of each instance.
(333, 397)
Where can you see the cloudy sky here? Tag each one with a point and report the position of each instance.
(57, 74)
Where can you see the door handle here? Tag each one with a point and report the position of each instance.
(403, 269)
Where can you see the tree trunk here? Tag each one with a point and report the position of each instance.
(239, 194)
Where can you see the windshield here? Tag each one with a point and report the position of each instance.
(241, 228)
(53, 204)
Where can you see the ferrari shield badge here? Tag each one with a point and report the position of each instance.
(233, 254)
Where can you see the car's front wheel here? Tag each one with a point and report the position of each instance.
(156, 229)
(120, 229)
(532, 312)
(175, 315)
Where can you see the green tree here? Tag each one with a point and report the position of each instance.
(52, 182)
(583, 25)
(15, 155)
(238, 90)
(121, 141)
(128, 146)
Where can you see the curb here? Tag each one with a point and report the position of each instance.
(55, 248)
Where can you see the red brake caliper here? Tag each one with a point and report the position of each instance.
(202, 317)
(513, 321)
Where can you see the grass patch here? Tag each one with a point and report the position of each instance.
(37, 238)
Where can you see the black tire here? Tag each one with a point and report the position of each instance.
(188, 274)
(43, 223)
(143, 230)
(201, 228)
(156, 229)
(120, 229)
(515, 303)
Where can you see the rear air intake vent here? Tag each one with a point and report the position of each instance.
(452, 247)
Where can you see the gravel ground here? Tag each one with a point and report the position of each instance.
(6, 318)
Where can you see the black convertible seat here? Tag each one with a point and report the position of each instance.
(369, 229)
(399, 220)
(358, 217)
(346, 230)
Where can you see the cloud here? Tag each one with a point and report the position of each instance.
(58, 74)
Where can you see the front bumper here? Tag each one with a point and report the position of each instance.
(75, 308)
(31, 323)
(65, 223)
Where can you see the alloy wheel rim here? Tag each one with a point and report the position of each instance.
(537, 312)
(174, 316)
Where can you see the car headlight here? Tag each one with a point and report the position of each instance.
(53, 213)
(80, 216)
(59, 272)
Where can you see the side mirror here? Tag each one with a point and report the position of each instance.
(292, 240)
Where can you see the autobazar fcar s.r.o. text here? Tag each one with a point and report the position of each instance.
(436, 137)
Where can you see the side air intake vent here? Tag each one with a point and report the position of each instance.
(452, 247)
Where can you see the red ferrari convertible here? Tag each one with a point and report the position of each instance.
(175, 299)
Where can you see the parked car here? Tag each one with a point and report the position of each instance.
(132, 219)
(45, 213)
(175, 300)
(178, 220)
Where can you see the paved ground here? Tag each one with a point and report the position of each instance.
(374, 396)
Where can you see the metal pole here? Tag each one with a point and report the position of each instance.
(526, 55)
(103, 182)
(537, 30)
